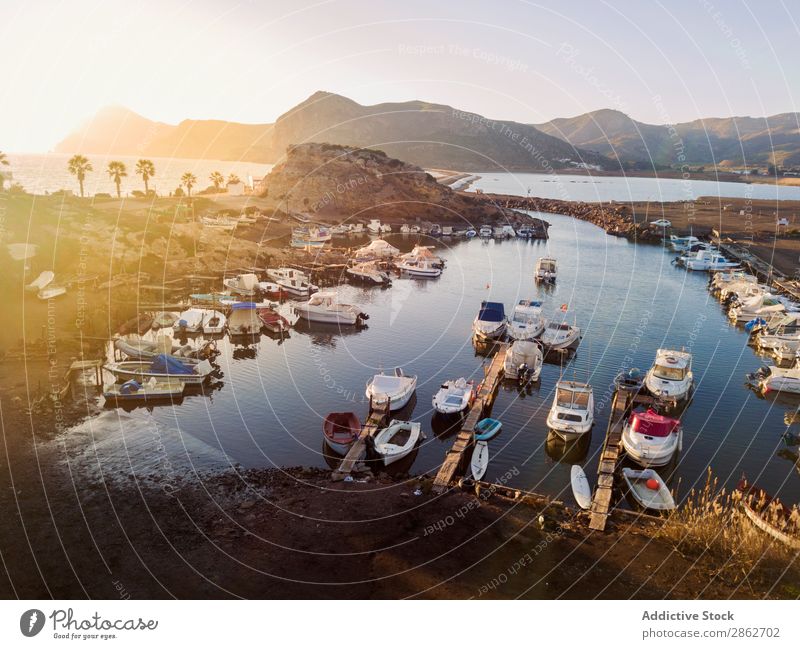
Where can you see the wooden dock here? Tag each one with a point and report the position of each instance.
(493, 373)
(376, 420)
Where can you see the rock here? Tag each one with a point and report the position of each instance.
(247, 504)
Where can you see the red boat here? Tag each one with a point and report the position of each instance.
(273, 321)
(341, 429)
(272, 290)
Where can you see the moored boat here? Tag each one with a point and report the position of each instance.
(572, 412)
(397, 440)
(453, 397)
(648, 490)
(213, 322)
(324, 307)
(546, 270)
(272, 320)
(771, 378)
(526, 322)
(769, 514)
(189, 321)
(162, 367)
(486, 429)
(245, 284)
(369, 274)
(244, 320)
(341, 429)
(670, 378)
(479, 461)
(396, 389)
(650, 439)
(523, 360)
(150, 390)
(560, 335)
(490, 323)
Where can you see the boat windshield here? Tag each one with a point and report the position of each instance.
(558, 326)
(547, 265)
(669, 373)
(521, 317)
(566, 398)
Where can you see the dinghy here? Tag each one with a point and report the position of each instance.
(44, 278)
(480, 460)
(162, 367)
(490, 323)
(631, 380)
(273, 321)
(487, 428)
(453, 397)
(396, 389)
(150, 390)
(213, 322)
(651, 439)
(648, 490)
(164, 320)
(341, 429)
(580, 487)
(523, 361)
(572, 412)
(397, 440)
(190, 321)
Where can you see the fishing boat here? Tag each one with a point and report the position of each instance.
(50, 292)
(651, 439)
(546, 270)
(43, 280)
(297, 287)
(374, 226)
(324, 307)
(396, 389)
(397, 440)
(648, 490)
(485, 232)
(245, 284)
(670, 378)
(526, 322)
(763, 305)
(480, 460)
(369, 274)
(580, 487)
(681, 244)
(277, 274)
(341, 429)
(708, 260)
(572, 412)
(378, 249)
(213, 322)
(560, 335)
(425, 268)
(453, 397)
(490, 323)
(132, 391)
(273, 321)
(244, 320)
(523, 361)
(769, 514)
(162, 367)
(310, 237)
(189, 321)
(271, 290)
(486, 429)
(775, 332)
(164, 320)
(770, 378)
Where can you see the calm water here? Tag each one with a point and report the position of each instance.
(580, 188)
(40, 173)
(628, 299)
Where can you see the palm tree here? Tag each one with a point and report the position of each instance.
(188, 179)
(217, 179)
(117, 171)
(233, 179)
(79, 165)
(3, 162)
(146, 169)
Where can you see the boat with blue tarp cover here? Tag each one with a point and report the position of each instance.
(490, 323)
(162, 367)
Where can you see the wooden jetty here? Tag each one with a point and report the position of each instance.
(453, 461)
(377, 419)
(623, 402)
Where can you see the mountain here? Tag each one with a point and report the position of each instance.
(722, 141)
(430, 135)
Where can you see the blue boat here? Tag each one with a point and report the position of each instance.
(487, 428)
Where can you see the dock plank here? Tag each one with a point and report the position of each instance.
(376, 420)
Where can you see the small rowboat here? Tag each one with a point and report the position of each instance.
(487, 428)
(648, 489)
(273, 321)
(769, 514)
(580, 487)
(397, 440)
(341, 429)
(480, 460)
(152, 390)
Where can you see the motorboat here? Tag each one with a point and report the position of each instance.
(397, 440)
(763, 305)
(420, 268)
(423, 253)
(162, 367)
(453, 397)
(213, 322)
(708, 260)
(546, 270)
(135, 347)
(777, 379)
(132, 391)
(245, 284)
(375, 227)
(272, 321)
(471, 233)
(524, 232)
(447, 230)
(277, 274)
(396, 389)
(490, 323)
(504, 232)
(50, 292)
(310, 237)
(651, 439)
(189, 321)
(681, 244)
(670, 378)
(630, 380)
(340, 230)
(368, 273)
(409, 229)
(526, 322)
(43, 280)
(523, 361)
(378, 249)
(486, 429)
(572, 412)
(785, 329)
(341, 429)
(165, 320)
(787, 352)
(648, 490)
(271, 290)
(297, 287)
(435, 230)
(243, 319)
(485, 232)
(560, 335)
(325, 308)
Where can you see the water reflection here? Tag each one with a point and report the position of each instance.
(567, 452)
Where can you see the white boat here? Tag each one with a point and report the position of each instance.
(504, 232)
(44, 278)
(189, 321)
(572, 412)
(49, 292)
(396, 389)
(378, 249)
(777, 332)
(485, 232)
(243, 319)
(245, 284)
(213, 321)
(453, 397)
(526, 322)
(763, 305)
(297, 287)
(325, 308)
(151, 390)
(419, 252)
(374, 226)
(580, 487)
(397, 440)
(277, 274)
(777, 379)
(368, 273)
(681, 244)
(340, 230)
(707, 260)
(648, 489)
(560, 335)
(164, 320)
(420, 268)
(651, 439)
(471, 233)
(546, 270)
(480, 460)
(786, 352)
(670, 378)
(523, 360)
(314, 236)
(163, 368)
(135, 347)
(490, 323)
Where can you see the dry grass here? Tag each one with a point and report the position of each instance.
(712, 527)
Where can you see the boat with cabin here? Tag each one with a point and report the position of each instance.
(369, 274)
(395, 389)
(245, 284)
(324, 307)
(560, 335)
(572, 412)
(670, 378)
(650, 439)
(526, 322)
(546, 270)
(708, 260)
(490, 323)
(523, 361)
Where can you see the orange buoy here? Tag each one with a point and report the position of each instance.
(652, 483)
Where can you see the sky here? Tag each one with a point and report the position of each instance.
(659, 62)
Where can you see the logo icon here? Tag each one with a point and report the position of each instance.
(31, 622)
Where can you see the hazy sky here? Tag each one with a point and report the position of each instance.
(528, 61)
